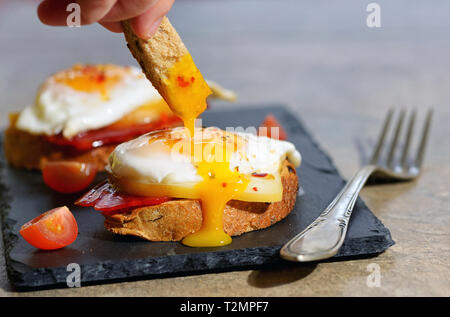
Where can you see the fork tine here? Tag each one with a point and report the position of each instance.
(390, 159)
(379, 146)
(423, 141)
(408, 139)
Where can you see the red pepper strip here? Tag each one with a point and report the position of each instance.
(259, 174)
(105, 198)
(89, 199)
(95, 138)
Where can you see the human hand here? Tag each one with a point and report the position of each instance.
(144, 15)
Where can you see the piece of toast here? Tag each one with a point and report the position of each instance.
(158, 54)
(168, 65)
(174, 220)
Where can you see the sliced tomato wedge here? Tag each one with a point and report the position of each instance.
(68, 177)
(52, 230)
(271, 123)
(94, 138)
(105, 198)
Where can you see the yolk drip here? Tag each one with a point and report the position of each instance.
(220, 184)
(185, 91)
(89, 79)
(210, 151)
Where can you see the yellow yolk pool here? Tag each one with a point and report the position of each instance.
(185, 91)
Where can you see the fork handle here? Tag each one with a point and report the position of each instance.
(323, 238)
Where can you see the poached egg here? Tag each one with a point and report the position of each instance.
(86, 97)
(213, 166)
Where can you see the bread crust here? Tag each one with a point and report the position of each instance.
(174, 220)
(158, 54)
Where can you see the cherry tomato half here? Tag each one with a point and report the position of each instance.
(52, 230)
(270, 122)
(68, 177)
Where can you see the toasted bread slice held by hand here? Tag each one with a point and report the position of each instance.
(175, 219)
(168, 65)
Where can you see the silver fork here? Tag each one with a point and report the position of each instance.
(323, 238)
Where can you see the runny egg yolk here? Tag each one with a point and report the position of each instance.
(220, 184)
(210, 151)
(185, 91)
(91, 78)
(213, 167)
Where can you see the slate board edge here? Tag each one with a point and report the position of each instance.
(26, 279)
(387, 241)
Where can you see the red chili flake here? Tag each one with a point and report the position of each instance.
(224, 184)
(182, 82)
(101, 77)
(255, 189)
(192, 79)
(259, 174)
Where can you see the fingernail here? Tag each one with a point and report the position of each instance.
(154, 27)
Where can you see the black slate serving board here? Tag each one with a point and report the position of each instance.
(104, 257)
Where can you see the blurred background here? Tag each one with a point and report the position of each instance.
(318, 58)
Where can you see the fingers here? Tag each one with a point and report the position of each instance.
(126, 9)
(145, 15)
(146, 24)
(94, 10)
(54, 12)
(115, 27)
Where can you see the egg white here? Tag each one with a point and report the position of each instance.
(140, 161)
(59, 108)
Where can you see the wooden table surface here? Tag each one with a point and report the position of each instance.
(332, 70)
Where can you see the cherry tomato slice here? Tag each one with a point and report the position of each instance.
(68, 177)
(271, 122)
(52, 230)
